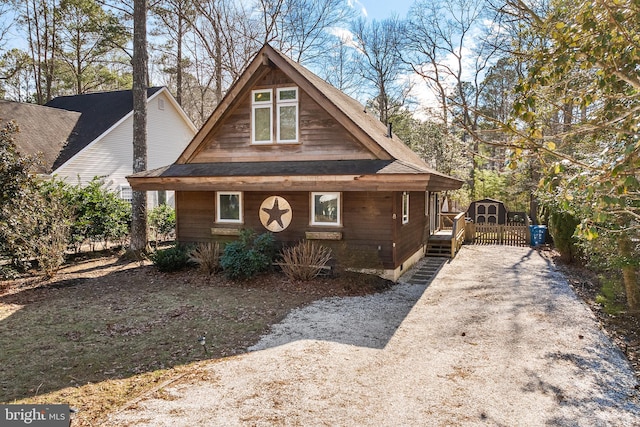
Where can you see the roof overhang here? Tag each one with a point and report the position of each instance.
(340, 175)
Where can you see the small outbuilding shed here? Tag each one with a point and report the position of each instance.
(487, 211)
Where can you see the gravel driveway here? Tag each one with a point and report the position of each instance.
(497, 338)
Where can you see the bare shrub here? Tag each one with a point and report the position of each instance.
(305, 260)
(207, 256)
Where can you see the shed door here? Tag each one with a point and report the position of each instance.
(486, 213)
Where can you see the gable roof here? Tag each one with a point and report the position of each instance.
(395, 166)
(99, 112)
(43, 131)
(347, 111)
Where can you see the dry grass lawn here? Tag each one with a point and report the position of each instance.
(104, 331)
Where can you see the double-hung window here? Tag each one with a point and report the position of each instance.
(261, 103)
(229, 206)
(325, 208)
(285, 128)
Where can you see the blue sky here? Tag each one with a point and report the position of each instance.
(381, 9)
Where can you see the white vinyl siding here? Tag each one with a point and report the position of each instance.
(111, 156)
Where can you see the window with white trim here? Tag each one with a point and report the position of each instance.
(261, 114)
(405, 207)
(287, 105)
(285, 128)
(126, 193)
(229, 206)
(325, 208)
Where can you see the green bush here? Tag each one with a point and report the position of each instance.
(162, 221)
(249, 255)
(100, 214)
(562, 226)
(175, 258)
(35, 227)
(611, 295)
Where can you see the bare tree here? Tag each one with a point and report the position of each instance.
(175, 18)
(39, 22)
(304, 24)
(340, 68)
(379, 61)
(87, 35)
(451, 44)
(228, 38)
(139, 198)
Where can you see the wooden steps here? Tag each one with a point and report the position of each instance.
(438, 248)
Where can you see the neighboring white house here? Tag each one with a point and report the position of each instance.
(84, 136)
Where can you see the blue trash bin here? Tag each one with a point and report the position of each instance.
(538, 234)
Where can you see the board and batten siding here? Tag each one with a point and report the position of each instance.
(321, 137)
(367, 223)
(111, 155)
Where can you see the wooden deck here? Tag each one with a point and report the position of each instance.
(446, 241)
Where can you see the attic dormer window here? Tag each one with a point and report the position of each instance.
(285, 128)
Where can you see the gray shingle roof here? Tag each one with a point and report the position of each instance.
(285, 168)
(43, 131)
(99, 112)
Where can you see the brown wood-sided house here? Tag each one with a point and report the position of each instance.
(287, 152)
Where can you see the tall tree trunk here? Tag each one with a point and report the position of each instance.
(218, 64)
(629, 276)
(51, 36)
(179, 59)
(139, 198)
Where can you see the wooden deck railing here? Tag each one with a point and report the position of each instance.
(457, 231)
(447, 220)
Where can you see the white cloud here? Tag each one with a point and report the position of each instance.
(355, 4)
(344, 35)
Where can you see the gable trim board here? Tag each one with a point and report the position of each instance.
(60, 169)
